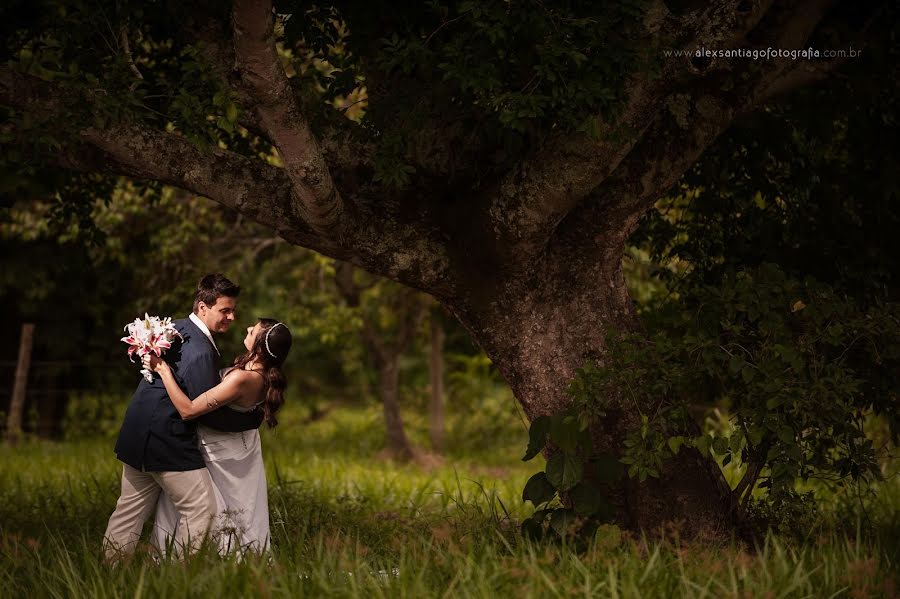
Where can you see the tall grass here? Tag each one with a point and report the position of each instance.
(346, 523)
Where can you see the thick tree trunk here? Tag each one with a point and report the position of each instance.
(398, 443)
(542, 327)
(436, 371)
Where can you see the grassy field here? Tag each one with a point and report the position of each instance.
(348, 523)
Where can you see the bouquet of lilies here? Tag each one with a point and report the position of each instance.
(150, 334)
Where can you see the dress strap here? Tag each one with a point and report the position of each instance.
(233, 369)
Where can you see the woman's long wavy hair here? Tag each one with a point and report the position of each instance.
(270, 357)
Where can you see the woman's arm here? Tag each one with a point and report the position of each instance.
(229, 390)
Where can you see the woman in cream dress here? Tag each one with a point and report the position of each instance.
(234, 460)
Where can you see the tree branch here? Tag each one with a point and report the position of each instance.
(800, 73)
(126, 50)
(538, 193)
(256, 58)
(720, 23)
(248, 185)
(406, 251)
(534, 198)
(670, 146)
(677, 137)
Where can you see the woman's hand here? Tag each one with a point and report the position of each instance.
(154, 363)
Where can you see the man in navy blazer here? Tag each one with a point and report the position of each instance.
(158, 449)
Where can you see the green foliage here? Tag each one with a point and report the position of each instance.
(568, 496)
(527, 64)
(490, 78)
(564, 471)
(155, 247)
(92, 415)
(316, 41)
(202, 107)
(796, 365)
(768, 278)
(390, 168)
(809, 184)
(157, 244)
(111, 63)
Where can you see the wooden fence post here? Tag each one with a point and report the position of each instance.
(20, 385)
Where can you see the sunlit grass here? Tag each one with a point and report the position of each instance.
(346, 522)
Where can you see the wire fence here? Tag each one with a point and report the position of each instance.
(53, 384)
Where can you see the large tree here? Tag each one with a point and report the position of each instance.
(504, 155)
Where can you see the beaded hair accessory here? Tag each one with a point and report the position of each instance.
(271, 328)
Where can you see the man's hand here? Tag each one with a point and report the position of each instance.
(154, 363)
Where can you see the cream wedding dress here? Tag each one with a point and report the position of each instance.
(235, 464)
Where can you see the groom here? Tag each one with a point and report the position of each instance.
(158, 448)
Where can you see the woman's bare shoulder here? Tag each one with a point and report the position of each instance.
(246, 377)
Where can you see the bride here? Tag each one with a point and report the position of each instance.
(234, 460)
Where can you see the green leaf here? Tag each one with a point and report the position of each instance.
(539, 515)
(537, 437)
(785, 434)
(564, 431)
(584, 421)
(225, 125)
(562, 519)
(609, 534)
(563, 471)
(538, 489)
(702, 443)
(720, 445)
(675, 444)
(532, 530)
(756, 435)
(231, 113)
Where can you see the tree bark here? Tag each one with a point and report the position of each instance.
(398, 443)
(385, 354)
(538, 330)
(20, 385)
(436, 371)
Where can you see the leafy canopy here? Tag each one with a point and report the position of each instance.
(453, 89)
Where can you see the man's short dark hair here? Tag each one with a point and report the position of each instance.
(212, 287)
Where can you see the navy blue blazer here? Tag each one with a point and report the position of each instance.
(153, 437)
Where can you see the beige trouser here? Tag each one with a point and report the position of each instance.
(191, 492)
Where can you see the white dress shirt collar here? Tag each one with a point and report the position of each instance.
(204, 329)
